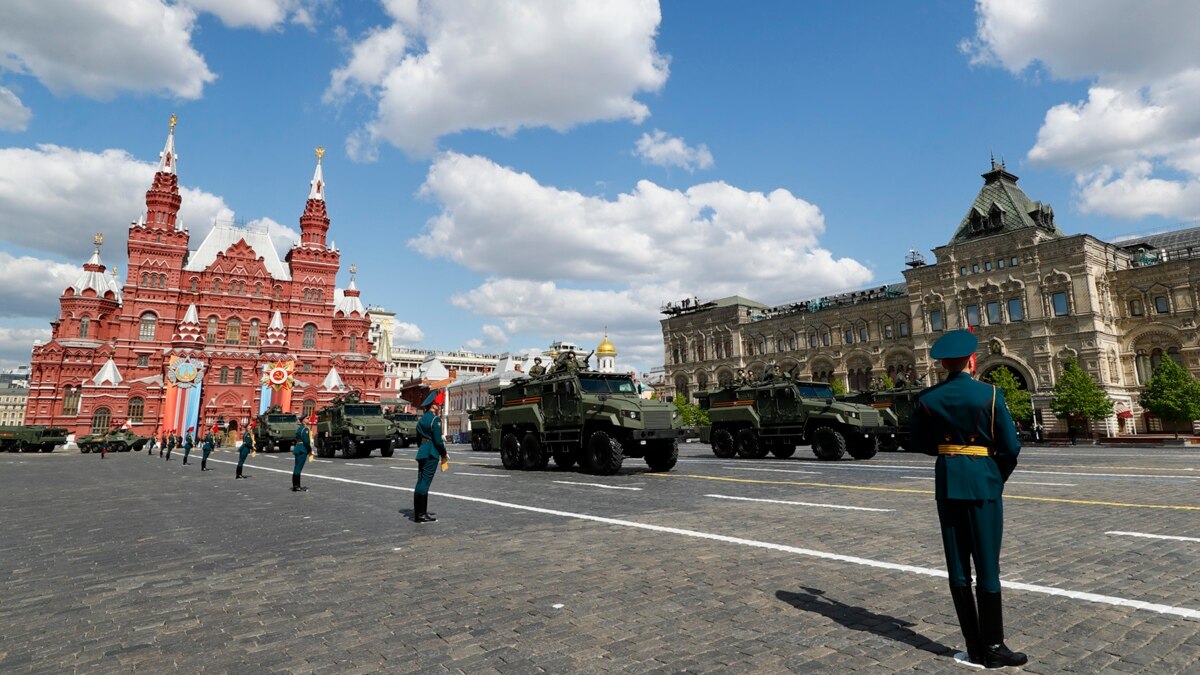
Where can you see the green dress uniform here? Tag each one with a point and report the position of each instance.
(150, 445)
(300, 450)
(170, 445)
(162, 444)
(207, 447)
(967, 425)
(187, 445)
(244, 451)
(429, 454)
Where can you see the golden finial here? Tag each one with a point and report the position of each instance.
(174, 119)
(353, 270)
(98, 240)
(320, 153)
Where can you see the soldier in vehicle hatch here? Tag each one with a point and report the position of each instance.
(779, 375)
(739, 378)
(538, 369)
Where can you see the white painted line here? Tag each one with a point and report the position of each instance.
(397, 549)
(1011, 482)
(558, 605)
(1101, 475)
(404, 468)
(1154, 536)
(599, 485)
(780, 501)
(353, 464)
(750, 468)
(482, 475)
(1185, 612)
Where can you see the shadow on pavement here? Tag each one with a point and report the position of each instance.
(859, 618)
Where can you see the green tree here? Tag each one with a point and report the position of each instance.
(1172, 394)
(1020, 402)
(1077, 396)
(690, 415)
(838, 387)
(886, 382)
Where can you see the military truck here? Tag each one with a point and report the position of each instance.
(276, 430)
(354, 427)
(404, 428)
(481, 429)
(896, 408)
(581, 417)
(31, 438)
(751, 420)
(119, 440)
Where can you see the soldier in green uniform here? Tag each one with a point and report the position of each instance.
(246, 447)
(301, 449)
(170, 443)
(538, 369)
(740, 377)
(207, 447)
(188, 444)
(162, 443)
(150, 445)
(433, 446)
(966, 423)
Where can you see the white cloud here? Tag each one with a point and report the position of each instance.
(667, 151)
(33, 285)
(452, 65)
(101, 48)
(14, 116)
(281, 236)
(406, 333)
(16, 344)
(260, 14)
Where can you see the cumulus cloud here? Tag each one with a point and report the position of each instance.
(667, 151)
(406, 333)
(1134, 143)
(447, 66)
(14, 116)
(281, 235)
(33, 285)
(16, 344)
(260, 14)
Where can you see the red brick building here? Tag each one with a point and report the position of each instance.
(199, 336)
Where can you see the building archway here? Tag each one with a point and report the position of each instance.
(1020, 369)
(986, 375)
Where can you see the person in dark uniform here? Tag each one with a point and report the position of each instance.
(538, 369)
(301, 449)
(966, 423)
(433, 447)
(209, 443)
(246, 447)
(150, 445)
(170, 443)
(188, 444)
(162, 443)
(104, 446)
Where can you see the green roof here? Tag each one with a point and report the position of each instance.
(1002, 207)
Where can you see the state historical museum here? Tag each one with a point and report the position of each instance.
(215, 334)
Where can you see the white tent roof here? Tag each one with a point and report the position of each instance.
(224, 235)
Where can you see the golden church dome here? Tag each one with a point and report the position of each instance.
(606, 348)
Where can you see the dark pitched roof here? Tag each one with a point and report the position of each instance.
(1002, 207)
(1177, 239)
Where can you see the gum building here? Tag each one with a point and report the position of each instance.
(1034, 295)
(210, 334)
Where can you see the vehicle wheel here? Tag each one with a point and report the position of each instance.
(405, 441)
(533, 456)
(662, 455)
(604, 454)
(510, 451)
(564, 460)
(387, 450)
(862, 447)
(748, 445)
(350, 449)
(364, 451)
(889, 444)
(19, 446)
(828, 443)
(783, 451)
(722, 444)
(47, 448)
(85, 449)
(119, 447)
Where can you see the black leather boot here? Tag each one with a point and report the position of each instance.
(420, 504)
(295, 483)
(968, 620)
(991, 627)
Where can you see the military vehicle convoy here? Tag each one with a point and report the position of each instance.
(481, 429)
(353, 427)
(581, 417)
(276, 430)
(752, 420)
(404, 428)
(896, 408)
(119, 440)
(31, 438)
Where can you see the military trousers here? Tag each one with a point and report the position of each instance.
(243, 453)
(426, 470)
(187, 450)
(301, 458)
(971, 532)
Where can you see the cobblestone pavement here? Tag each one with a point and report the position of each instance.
(135, 564)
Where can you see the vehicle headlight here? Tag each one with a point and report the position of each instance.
(631, 414)
(361, 428)
(852, 414)
(674, 414)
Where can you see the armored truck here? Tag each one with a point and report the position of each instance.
(31, 438)
(404, 428)
(119, 440)
(774, 417)
(353, 427)
(275, 431)
(581, 417)
(895, 406)
(481, 429)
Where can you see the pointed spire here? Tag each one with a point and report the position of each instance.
(317, 186)
(167, 158)
(191, 316)
(93, 276)
(276, 321)
(314, 222)
(187, 331)
(276, 339)
(333, 381)
(163, 198)
(353, 272)
(108, 373)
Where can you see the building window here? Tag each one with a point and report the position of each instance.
(143, 361)
(253, 337)
(1058, 301)
(972, 315)
(975, 268)
(278, 292)
(216, 285)
(71, 401)
(354, 346)
(211, 337)
(1160, 304)
(849, 335)
(962, 271)
(224, 375)
(862, 334)
(887, 331)
(237, 375)
(258, 290)
(903, 328)
(935, 321)
(308, 368)
(987, 266)
(137, 409)
(310, 336)
(233, 332)
(146, 329)
(101, 419)
(825, 339)
(993, 313)
(1135, 308)
(84, 325)
(812, 340)
(1016, 311)
(791, 342)
(1000, 263)
(309, 406)
(195, 285)
(1013, 262)
(145, 279)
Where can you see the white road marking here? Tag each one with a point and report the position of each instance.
(483, 475)
(404, 468)
(1011, 482)
(750, 468)
(1171, 610)
(780, 501)
(599, 485)
(1101, 475)
(353, 464)
(1153, 536)
(558, 605)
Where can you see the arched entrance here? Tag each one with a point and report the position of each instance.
(986, 375)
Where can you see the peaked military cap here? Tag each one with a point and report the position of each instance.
(954, 345)
(437, 397)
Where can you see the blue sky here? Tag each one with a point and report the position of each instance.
(507, 174)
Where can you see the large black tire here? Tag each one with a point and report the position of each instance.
(783, 451)
(405, 441)
(364, 451)
(889, 444)
(862, 447)
(828, 443)
(662, 455)
(533, 456)
(510, 451)
(350, 449)
(722, 444)
(19, 446)
(49, 447)
(564, 460)
(387, 450)
(604, 454)
(118, 447)
(748, 445)
(85, 449)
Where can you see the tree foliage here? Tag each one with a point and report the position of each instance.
(1077, 395)
(886, 383)
(1172, 394)
(1020, 401)
(838, 387)
(690, 415)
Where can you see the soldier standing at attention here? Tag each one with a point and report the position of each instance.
(247, 445)
(433, 445)
(170, 443)
(538, 369)
(188, 444)
(150, 445)
(207, 447)
(301, 449)
(966, 423)
(162, 443)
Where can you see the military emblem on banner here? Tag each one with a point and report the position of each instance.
(184, 372)
(279, 374)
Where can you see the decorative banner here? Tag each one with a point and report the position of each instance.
(278, 377)
(184, 389)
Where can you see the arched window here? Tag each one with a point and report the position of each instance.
(147, 326)
(137, 409)
(195, 284)
(101, 418)
(1141, 365)
(1173, 352)
(71, 401)
(258, 290)
(354, 343)
(310, 336)
(224, 378)
(216, 285)
(309, 406)
(278, 292)
(145, 279)
(237, 375)
(1161, 306)
(253, 337)
(233, 332)
(84, 325)
(211, 337)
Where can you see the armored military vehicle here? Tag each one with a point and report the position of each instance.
(896, 408)
(31, 438)
(119, 440)
(404, 428)
(481, 429)
(354, 427)
(276, 430)
(775, 416)
(578, 416)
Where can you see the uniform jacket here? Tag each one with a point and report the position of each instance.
(208, 443)
(433, 442)
(187, 441)
(959, 412)
(303, 439)
(248, 440)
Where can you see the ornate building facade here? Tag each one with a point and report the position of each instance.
(208, 335)
(1034, 296)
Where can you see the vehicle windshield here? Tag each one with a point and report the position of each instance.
(402, 417)
(603, 385)
(362, 410)
(281, 419)
(815, 390)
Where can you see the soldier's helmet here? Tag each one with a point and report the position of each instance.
(537, 359)
(570, 354)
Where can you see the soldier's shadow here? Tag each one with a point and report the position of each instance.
(860, 618)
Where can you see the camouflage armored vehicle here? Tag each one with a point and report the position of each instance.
(481, 429)
(582, 417)
(276, 430)
(774, 417)
(404, 428)
(896, 408)
(31, 438)
(353, 427)
(119, 440)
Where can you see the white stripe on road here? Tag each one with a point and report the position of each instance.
(1011, 482)
(780, 501)
(1153, 536)
(599, 485)
(1184, 612)
(750, 468)
(353, 464)
(483, 475)
(405, 468)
